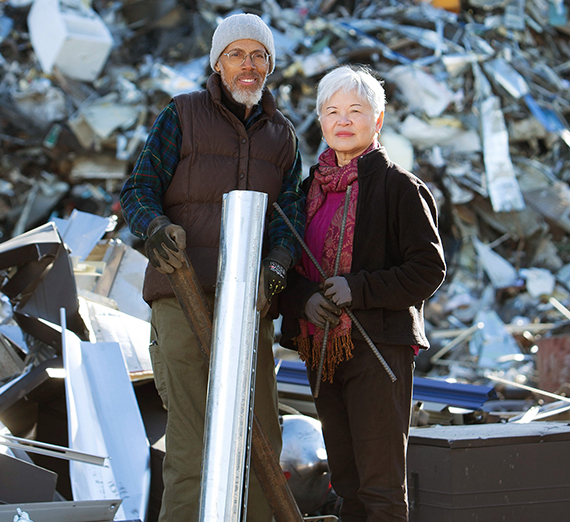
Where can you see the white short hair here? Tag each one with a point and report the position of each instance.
(348, 79)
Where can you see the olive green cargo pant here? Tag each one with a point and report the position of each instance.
(181, 378)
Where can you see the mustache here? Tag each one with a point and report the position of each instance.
(251, 74)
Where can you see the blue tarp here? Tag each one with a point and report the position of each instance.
(469, 396)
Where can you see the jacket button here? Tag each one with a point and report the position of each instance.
(241, 175)
(243, 140)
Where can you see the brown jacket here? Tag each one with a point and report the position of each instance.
(219, 155)
(397, 262)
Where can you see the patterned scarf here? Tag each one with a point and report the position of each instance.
(330, 178)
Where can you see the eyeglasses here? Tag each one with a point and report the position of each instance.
(258, 58)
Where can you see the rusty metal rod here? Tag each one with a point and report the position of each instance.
(355, 321)
(194, 304)
(335, 273)
(322, 360)
(265, 463)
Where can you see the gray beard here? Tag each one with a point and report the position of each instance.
(243, 96)
(249, 99)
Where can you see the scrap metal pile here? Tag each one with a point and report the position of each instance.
(478, 104)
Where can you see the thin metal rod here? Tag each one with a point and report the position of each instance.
(461, 337)
(372, 346)
(559, 306)
(511, 328)
(355, 321)
(528, 388)
(335, 273)
(322, 360)
(342, 229)
(43, 448)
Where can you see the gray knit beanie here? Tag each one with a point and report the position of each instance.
(242, 27)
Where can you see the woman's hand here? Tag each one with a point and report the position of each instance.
(338, 291)
(319, 310)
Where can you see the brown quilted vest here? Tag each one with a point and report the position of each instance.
(219, 155)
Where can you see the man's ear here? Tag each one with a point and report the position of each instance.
(217, 67)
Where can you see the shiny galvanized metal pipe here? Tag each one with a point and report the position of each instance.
(227, 433)
(264, 461)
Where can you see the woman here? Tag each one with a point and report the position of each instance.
(391, 261)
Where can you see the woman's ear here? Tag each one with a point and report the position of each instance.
(380, 122)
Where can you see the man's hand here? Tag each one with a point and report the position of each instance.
(338, 291)
(165, 245)
(319, 310)
(272, 277)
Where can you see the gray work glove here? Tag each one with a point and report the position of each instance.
(272, 277)
(165, 245)
(319, 310)
(337, 290)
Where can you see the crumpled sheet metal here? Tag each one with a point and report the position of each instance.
(490, 101)
(39, 280)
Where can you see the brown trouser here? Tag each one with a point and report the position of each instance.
(365, 419)
(181, 378)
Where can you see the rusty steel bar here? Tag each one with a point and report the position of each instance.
(335, 273)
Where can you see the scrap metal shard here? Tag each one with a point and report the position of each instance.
(39, 281)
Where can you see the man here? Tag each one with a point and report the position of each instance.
(229, 136)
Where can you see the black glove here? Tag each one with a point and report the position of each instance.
(165, 245)
(272, 276)
(319, 310)
(338, 291)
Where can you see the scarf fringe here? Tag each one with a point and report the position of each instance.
(339, 349)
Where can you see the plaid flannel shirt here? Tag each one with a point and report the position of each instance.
(142, 193)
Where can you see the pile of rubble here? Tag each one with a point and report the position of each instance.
(478, 101)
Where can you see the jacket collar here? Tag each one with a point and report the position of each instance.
(372, 162)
